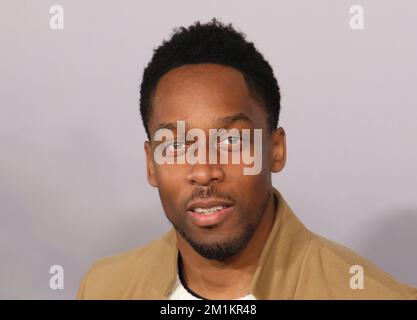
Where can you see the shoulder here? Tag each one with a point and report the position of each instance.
(125, 259)
(334, 271)
(111, 276)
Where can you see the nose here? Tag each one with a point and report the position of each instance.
(205, 174)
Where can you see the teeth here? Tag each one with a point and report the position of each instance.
(208, 210)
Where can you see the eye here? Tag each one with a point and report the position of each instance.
(229, 142)
(175, 147)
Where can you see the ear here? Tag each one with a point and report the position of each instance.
(279, 150)
(150, 168)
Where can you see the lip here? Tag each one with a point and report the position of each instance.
(202, 220)
(209, 203)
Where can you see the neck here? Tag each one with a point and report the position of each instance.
(230, 278)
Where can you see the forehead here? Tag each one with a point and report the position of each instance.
(200, 93)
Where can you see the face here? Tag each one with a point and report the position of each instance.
(211, 96)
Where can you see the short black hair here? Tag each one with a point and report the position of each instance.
(212, 42)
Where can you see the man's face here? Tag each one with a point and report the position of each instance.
(208, 96)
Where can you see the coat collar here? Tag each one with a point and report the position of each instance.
(278, 271)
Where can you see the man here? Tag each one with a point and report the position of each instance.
(234, 236)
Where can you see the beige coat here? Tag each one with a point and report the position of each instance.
(295, 264)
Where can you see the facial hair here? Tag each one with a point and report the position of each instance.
(224, 249)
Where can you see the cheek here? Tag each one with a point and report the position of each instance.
(171, 188)
(252, 190)
(168, 176)
(234, 174)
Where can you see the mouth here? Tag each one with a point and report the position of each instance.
(209, 212)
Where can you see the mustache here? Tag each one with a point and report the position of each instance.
(209, 192)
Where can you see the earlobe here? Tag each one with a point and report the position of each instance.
(279, 150)
(150, 169)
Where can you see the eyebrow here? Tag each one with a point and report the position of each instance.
(221, 122)
(227, 121)
(167, 125)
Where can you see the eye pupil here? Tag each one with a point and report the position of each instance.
(232, 139)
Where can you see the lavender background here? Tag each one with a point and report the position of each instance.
(72, 169)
